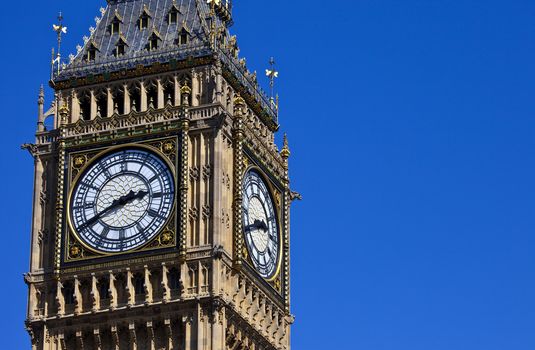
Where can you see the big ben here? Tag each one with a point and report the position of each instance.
(161, 211)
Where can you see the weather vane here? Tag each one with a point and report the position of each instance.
(59, 29)
(272, 74)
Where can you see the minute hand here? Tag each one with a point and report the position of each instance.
(121, 202)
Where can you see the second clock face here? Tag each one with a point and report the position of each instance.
(122, 201)
(260, 225)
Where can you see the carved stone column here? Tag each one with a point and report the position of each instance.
(78, 302)
(161, 97)
(113, 292)
(238, 137)
(94, 106)
(110, 103)
(38, 209)
(133, 336)
(184, 169)
(148, 286)
(286, 202)
(166, 296)
(130, 290)
(41, 110)
(95, 295)
(60, 299)
(126, 102)
(143, 93)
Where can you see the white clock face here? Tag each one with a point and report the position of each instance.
(260, 225)
(123, 200)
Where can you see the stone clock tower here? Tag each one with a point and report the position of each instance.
(161, 204)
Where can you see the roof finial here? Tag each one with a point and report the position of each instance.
(59, 29)
(272, 74)
(285, 152)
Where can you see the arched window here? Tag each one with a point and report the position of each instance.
(183, 35)
(154, 41)
(115, 23)
(68, 293)
(172, 17)
(144, 19)
(92, 49)
(174, 279)
(120, 47)
(139, 284)
(104, 288)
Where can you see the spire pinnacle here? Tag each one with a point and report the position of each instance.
(60, 29)
(285, 152)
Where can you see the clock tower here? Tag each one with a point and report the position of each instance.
(161, 201)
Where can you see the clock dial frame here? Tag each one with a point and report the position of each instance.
(261, 228)
(122, 199)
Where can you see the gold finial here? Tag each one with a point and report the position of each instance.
(63, 113)
(239, 105)
(185, 91)
(285, 152)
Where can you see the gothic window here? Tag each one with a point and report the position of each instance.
(152, 95)
(120, 47)
(91, 54)
(154, 41)
(115, 25)
(139, 284)
(102, 104)
(144, 19)
(144, 22)
(68, 293)
(118, 101)
(135, 97)
(172, 17)
(104, 288)
(85, 107)
(174, 279)
(169, 93)
(183, 36)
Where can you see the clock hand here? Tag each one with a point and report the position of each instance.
(259, 224)
(120, 202)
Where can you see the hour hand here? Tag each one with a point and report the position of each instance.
(258, 224)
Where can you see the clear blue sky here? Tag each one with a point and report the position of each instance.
(412, 130)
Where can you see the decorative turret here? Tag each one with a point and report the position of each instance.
(285, 152)
(41, 113)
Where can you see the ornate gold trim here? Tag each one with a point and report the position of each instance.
(272, 192)
(76, 251)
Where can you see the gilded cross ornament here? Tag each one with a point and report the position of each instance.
(59, 29)
(272, 74)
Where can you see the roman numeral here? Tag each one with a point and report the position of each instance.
(155, 214)
(88, 185)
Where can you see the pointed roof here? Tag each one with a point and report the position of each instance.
(192, 13)
(146, 11)
(117, 16)
(174, 7)
(194, 16)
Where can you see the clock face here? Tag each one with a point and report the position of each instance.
(260, 225)
(122, 200)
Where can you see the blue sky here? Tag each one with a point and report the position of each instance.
(411, 125)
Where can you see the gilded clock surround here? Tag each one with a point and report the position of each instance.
(75, 249)
(275, 193)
